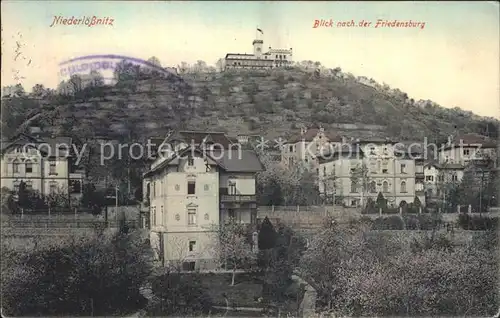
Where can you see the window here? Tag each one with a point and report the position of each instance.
(385, 186)
(429, 178)
(379, 165)
(53, 187)
(403, 186)
(372, 150)
(191, 187)
(207, 187)
(231, 214)
(232, 188)
(466, 152)
(317, 171)
(384, 171)
(454, 177)
(354, 187)
(15, 166)
(192, 245)
(191, 216)
(403, 168)
(440, 178)
(373, 187)
(29, 185)
(16, 186)
(161, 215)
(29, 166)
(75, 186)
(188, 266)
(290, 148)
(52, 166)
(190, 161)
(153, 212)
(324, 171)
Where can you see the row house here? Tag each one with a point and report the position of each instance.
(198, 181)
(45, 165)
(382, 166)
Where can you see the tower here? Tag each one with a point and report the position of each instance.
(257, 48)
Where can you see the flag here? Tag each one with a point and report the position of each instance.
(260, 30)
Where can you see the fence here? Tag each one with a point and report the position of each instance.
(63, 224)
(307, 215)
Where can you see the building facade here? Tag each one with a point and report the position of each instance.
(307, 146)
(199, 181)
(43, 164)
(356, 171)
(259, 60)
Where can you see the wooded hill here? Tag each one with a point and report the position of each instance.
(270, 104)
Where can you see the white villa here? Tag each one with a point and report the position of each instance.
(200, 181)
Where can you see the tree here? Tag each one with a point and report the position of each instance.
(232, 247)
(200, 66)
(39, 91)
(93, 199)
(99, 275)
(361, 179)
(381, 202)
(155, 61)
(220, 65)
(267, 235)
(356, 271)
(179, 294)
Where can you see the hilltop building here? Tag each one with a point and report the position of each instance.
(259, 60)
(199, 181)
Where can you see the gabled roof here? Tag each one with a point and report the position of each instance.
(473, 140)
(51, 148)
(228, 160)
(197, 137)
(309, 135)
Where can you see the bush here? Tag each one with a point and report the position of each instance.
(179, 294)
(100, 276)
(370, 207)
(388, 223)
(477, 223)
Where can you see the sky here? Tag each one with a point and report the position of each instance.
(453, 60)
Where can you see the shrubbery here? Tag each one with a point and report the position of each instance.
(363, 273)
(98, 276)
(476, 222)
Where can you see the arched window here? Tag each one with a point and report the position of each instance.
(16, 166)
(373, 187)
(29, 166)
(403, 186)
(385, 186)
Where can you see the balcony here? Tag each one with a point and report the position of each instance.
(237, 198)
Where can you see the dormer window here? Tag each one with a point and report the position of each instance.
(190, 161)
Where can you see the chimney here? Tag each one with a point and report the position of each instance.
(450, 137)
